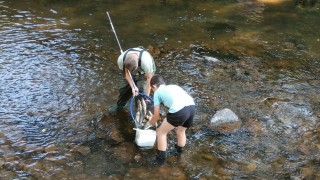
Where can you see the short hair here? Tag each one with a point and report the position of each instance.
(157, 80)
(130, 62)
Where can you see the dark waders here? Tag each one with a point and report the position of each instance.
(126, 92)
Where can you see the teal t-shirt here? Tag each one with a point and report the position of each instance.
(173, 97)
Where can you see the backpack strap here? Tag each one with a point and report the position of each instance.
(124, 57)
(139, 61)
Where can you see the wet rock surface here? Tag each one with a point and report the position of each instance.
(225, 121)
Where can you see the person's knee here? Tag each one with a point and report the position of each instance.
(181, 130)
(162, 130)
(161, 135)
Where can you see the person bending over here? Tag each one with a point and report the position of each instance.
(180, 116)
(138, 68)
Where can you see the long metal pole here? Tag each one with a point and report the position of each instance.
(134, 85)
(114, 32)
(132, 81)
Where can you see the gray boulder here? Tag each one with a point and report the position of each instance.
(225, 121)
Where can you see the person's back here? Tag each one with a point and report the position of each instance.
(147, 64)
(173, 97)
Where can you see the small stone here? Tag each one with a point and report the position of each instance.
(84, 150)
(304, 149)
(137, 157)
(251, 167)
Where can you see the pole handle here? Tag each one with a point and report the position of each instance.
(134, 85)
(114, 31)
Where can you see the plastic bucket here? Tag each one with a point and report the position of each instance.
(145, 138)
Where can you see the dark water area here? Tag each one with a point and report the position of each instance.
(259, 58)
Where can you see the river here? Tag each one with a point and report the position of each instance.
(259, 58)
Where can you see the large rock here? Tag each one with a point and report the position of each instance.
(225, 121)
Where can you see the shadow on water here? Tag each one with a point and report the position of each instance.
(59, 76)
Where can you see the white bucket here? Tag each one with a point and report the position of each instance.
(145, 138)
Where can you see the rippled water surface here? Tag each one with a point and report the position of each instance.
(59, 77)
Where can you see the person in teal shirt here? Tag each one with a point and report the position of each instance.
(180, 115)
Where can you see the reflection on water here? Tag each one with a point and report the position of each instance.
(59, 76)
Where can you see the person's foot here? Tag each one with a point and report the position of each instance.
(159, 159)
(115, 108)
(179, 149)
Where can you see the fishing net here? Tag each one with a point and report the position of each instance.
(141, 109)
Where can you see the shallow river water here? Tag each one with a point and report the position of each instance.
(259, 58)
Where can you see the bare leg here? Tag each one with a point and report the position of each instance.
(162, 132)
(181, 136)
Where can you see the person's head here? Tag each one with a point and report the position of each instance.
(131, 62)
(156, 81)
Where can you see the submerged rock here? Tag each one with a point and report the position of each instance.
(50, 148)
(254, 126)
(84, 150)
(225, 121)
(251, 167)
(124, 152)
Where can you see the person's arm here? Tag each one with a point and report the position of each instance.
(156, 115)
(134, 88)
(148, 87)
